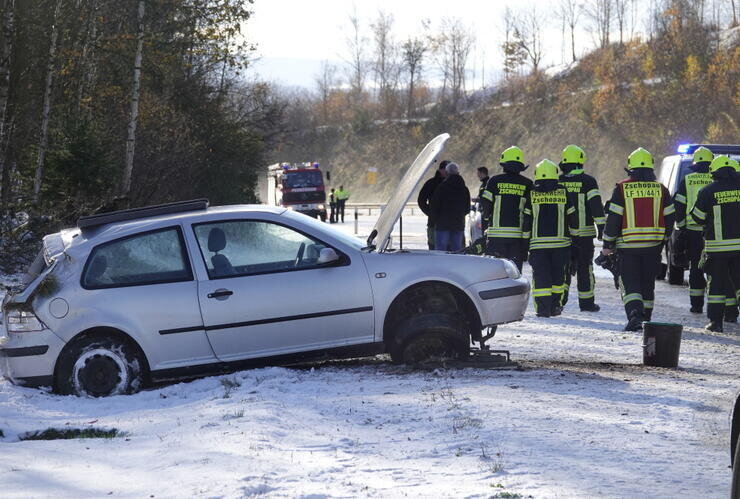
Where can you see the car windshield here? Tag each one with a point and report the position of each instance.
(298, 179)
(325, 228)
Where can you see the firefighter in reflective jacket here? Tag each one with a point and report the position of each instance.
(717, 208)
(640, 218)
(502, 204)
(689, 232)
(549, 220)
(583, 191)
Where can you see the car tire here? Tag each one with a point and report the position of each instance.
(735, 491)
(99, 366)
(675, 275)
(427, 337)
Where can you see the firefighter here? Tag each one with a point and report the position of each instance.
(549, 220)
(342, 196)
(717, 208)
(502, 203)
(583, 191)
(332, 206)
(639, 221)
(689, 232)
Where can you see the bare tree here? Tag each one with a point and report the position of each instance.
(528, 31)
(569, 12)
(357, 70)
(326, 82)
(8, 26)
(600, 13)
(513, 56)
(46, 106)
(413, 52)
(134, 114)
(620, 10)
(452, 48)
(385, 62)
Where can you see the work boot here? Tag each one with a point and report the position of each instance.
(634, 324)
(714, 326)
(556, 310)
(647, 315)
(697, 310)
(591, 307)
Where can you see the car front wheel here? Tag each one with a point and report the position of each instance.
(428, 337)
(98, 366)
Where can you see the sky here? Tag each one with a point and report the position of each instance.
(293, 37)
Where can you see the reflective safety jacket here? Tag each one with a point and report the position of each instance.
(718, 209)
(640, 215)
(341, 194)
(685, 199)
(502, 205)
(549, 217)
(583, 191)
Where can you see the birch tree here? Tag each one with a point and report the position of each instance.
(413, 51)
(134, 113)
(569, 12)
(46, 106)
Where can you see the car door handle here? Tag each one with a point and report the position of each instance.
(221, 294)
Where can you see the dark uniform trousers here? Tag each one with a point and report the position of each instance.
(637, 272)
(697, 282)
(332, 212)
(549, 267)
(724, 284)
(584, 252)
(509, 248)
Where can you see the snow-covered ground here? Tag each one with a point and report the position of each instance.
(581, 418)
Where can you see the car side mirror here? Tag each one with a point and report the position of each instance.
(327, 255)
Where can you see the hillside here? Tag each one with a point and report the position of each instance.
(613, 101)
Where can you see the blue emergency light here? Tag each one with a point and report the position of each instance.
(683, 148)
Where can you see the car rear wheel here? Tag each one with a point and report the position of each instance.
(97, 366)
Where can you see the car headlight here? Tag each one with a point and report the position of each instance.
(22, 321)
(321, 207)
(511, 269)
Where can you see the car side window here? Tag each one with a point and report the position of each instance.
(248, 247)
(149, 258)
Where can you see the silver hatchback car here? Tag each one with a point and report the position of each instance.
(179, 290)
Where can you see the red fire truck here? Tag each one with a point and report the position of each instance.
(299, 187)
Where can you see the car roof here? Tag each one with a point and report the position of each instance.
(127, 227)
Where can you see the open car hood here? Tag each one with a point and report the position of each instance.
(381, 235)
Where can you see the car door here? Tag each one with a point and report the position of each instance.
(266, 294)
(144, 285)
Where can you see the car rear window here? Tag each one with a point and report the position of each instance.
(149, 258)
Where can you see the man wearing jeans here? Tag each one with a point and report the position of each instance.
(449, 206)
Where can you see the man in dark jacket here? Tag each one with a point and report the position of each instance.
(449, 206)
(425, 197)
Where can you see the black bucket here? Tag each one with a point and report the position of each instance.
(661, 344)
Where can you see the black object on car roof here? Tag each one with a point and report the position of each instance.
(90, 221)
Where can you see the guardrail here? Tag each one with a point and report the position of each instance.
(413, 208)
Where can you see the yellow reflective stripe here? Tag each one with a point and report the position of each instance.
(717, 210)
(716, 299)
(680, 198)
(714, 246)
(669, 210)
(731, 302)
(607, 237)
(697, 213)
(647, 303)
(600, 220)
(592, 194)
(616, 209)
(696, 292)
(681, 224)
(631, 297)
(541, 292)
(487, 195)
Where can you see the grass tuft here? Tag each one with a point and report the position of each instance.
(72, 433)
